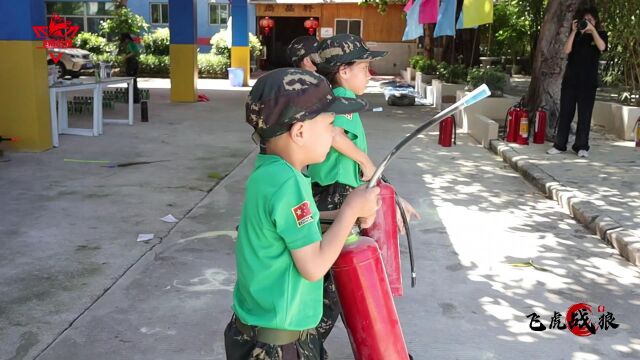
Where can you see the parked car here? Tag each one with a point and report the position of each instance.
(73, 61)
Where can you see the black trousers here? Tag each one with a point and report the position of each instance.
(584, 97)
(131, 68)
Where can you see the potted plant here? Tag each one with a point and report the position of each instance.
(428, 68)
(495, 80)
(414, 63)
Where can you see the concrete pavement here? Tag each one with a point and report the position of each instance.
(170, 299)
(600, 192)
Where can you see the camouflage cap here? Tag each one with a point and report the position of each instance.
(285, 96)
(345, 48)
(302, 47)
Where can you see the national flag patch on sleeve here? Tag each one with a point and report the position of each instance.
(303, 213)
(349, 116)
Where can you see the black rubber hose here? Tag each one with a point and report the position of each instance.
(405, 223)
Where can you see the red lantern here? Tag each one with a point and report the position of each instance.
(311, 25)
(266, 24)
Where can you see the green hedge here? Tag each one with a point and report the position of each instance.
(453, 74)
(153, 65)
(424, 65)
(210, 65)
(93, 43)
(496, 80)
(157, 42)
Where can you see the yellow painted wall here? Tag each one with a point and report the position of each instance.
(184, 72)
(24, 96)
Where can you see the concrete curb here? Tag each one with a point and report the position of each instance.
(576, 203)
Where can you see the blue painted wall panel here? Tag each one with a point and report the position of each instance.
(19, 17)
(182, 21)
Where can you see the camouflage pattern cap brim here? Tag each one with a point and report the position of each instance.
(285, 96)
(346, 48)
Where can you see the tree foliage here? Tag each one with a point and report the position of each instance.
(124, 21)
(621, 20)
(381, 5)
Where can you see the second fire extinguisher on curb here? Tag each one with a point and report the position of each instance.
(541, 126)
(517, 124)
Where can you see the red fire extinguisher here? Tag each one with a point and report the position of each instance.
(447, 129)
(523, 127)
(370, 315)
(541, 126)
(384, 231)
(512, 123)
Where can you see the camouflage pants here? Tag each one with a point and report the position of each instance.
(240, 346)
(329, 198)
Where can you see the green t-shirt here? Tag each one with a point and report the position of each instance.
(279, 215)
(338, 167)
(132, 48)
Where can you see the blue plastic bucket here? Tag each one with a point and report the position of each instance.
(236, 76)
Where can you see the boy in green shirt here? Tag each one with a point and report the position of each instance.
(345, 63)
(281, 256)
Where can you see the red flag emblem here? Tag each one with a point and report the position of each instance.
(303, 213)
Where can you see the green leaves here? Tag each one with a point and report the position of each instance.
(621, 20)
(496, 80)
(124, 21)
(219, 44)
(454, 74)
(93, 43)
(424, 65)
(157, 42)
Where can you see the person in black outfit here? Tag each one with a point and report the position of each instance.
(131, 53)
(584, 46)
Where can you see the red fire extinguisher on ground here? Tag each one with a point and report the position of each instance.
(541, 126)
(369, 313)
(523, 127)
(512, 122)
(447, 130)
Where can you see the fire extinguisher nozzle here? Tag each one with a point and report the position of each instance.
(413, 280)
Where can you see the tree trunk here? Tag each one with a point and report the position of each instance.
(549, 60)
(429, 40)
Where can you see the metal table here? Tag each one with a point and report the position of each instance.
(59, 111)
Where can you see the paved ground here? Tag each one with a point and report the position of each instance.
(605, 178)
(80, 287)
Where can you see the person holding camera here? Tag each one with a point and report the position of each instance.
(580, 81)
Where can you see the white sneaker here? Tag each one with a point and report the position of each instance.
(583, 154)
(554, 151)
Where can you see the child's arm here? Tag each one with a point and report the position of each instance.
(345, 146)
(314, 260)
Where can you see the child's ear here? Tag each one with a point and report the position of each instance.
(297, 132)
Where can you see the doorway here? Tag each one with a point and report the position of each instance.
(285, 29)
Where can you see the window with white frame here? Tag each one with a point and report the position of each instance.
(159, 14)
(86, 14)
(349, 26)
(218, 14)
